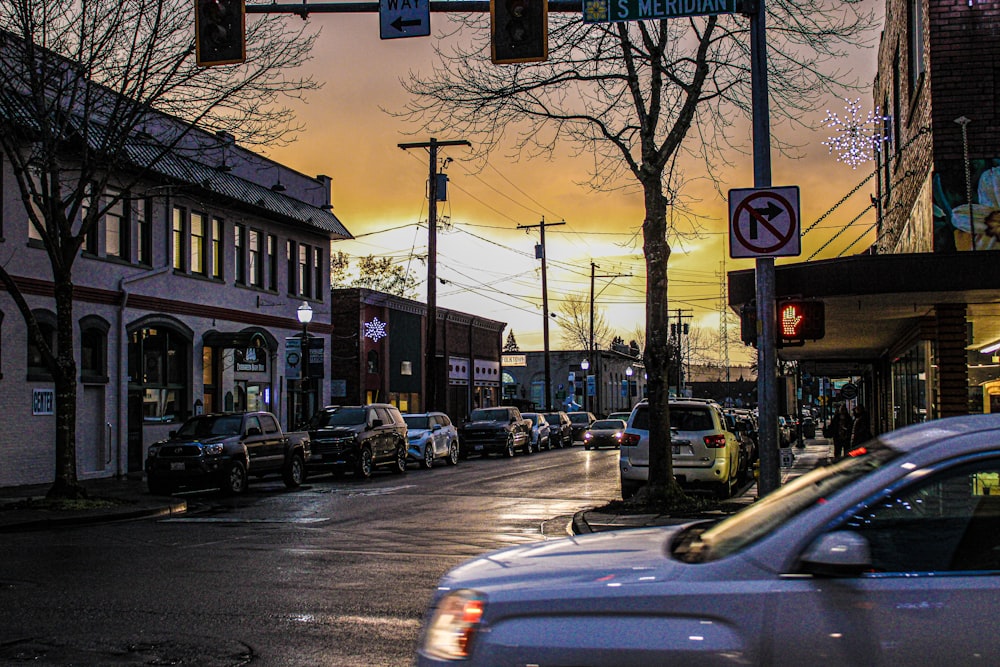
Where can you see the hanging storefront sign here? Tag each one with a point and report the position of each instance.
(251, 360)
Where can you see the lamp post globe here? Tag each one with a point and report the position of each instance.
(305, 315)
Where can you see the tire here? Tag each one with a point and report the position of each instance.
(453, 454)
(587, 447)
(399, 467)
(234, 482)
(428, 462)
(529, 448)
(294, 472)
(363, 466)
(509, 449)
(159, 487)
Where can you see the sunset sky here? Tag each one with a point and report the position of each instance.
(488, 264)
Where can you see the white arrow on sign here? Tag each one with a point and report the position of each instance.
(404, 18)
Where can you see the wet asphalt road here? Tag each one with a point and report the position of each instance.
(338, 572)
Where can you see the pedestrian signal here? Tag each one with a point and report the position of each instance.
(220, 32)
(519, 31)
(799, 321)
(748, 323)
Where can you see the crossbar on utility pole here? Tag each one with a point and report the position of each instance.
(430, 344)
(545, 308)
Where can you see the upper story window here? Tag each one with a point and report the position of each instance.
(199, 248)
(116, 241)
(915, 39)
(256, 268)
(305, 270)
(140, 208)
(272, 262)
(320, 282)
(178, 237)
(94, 349)
(240, 253)
(290, 254)
(217, 248)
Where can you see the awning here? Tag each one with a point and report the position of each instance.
(247, 338)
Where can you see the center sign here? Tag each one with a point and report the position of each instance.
(604, 11)
(764, 222)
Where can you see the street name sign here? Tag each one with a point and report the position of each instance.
(612, 11)
(404, 18)
(764, 222)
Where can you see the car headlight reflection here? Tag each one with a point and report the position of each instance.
(454, 625)
(213, 449)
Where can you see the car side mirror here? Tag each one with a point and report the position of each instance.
(254, 431)
(842, 553)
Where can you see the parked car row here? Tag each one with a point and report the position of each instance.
(225, 449)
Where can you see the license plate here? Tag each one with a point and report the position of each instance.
(177, 466)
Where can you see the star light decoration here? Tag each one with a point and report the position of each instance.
(857, 134)
(375, 330)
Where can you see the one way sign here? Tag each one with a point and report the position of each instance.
(404, 18)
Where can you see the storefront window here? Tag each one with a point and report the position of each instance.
(909, 386)
(157, 365)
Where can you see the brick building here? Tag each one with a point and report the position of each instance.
(916, 320)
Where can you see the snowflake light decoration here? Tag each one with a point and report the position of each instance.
(857, 134)
(375, 330)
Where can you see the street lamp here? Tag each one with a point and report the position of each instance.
(585, 365)
(628, 383)
(305, 314)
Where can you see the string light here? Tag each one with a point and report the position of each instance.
(857, 134)
(375, 330)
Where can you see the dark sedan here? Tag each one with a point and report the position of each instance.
(581, 421)
(604, 433)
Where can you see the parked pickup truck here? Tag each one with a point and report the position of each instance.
(222, 450)
(501, 430)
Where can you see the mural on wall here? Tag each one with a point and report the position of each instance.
(959, 226)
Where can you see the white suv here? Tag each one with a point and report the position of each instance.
(704, 452)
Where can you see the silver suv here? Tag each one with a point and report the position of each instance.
(704, 451)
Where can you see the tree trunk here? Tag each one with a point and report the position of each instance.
(656, 358)
(66, 484)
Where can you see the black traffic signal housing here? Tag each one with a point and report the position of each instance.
(519, 31)
(220, 32)
(748, 323)
(800, 320)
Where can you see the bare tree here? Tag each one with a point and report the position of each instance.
(94, 97)
(628, 94)
(574, 322)
(379, 274)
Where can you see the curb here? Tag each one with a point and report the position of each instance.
(46, 523)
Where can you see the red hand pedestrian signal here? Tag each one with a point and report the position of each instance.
(790, 318)
(799, 321)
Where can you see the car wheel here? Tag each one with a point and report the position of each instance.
(453, 454)
(587, 447)
(509, 449)
(529, 448)
(363, 466)
(295, 471)
(400, 467)
(159, 487)
(428, 461)
(235, 480)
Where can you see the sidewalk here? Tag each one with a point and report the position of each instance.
(25, 508)
(817, 452)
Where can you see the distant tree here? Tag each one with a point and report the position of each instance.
(574, 321)
(378, 274)
(90, 98)
(511, 344)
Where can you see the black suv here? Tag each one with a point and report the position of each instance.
(359, 437)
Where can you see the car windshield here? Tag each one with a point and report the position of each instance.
(701, 544)
(337, 417)
(485, 415)
(533, 417)
(211, 425)
(417, 421)
(580, 418)
(552, 418)
(608, 424)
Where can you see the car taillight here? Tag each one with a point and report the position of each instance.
(715, 441)
(630, 440)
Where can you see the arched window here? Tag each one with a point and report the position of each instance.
(94, 349)
(37, 370)
(159, 365)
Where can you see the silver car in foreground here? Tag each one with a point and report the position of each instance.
(891, 556)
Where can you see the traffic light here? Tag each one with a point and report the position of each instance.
(799, 321)
(519, 30)
(220, 32)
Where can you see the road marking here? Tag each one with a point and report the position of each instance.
(220, 519)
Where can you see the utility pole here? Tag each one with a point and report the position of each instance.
(540, 254)
(678, 330)
(590, 352)
(430, 342)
